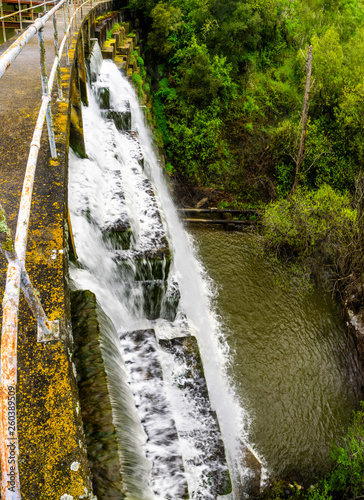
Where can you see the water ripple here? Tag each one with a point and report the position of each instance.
(292, 366)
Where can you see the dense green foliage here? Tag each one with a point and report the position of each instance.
(320, 233)
(310, 221)
(346, 479)
(226, 80)
(229, 91)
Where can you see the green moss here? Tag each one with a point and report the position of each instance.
(104, 16)
(116, 27)
(138, 84)
(6, 237)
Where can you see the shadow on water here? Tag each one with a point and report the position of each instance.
(295, 369)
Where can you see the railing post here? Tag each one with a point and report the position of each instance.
(44, 6)
(65, 31)
(20, 16)
(56, 51)
(70, 19)
(75, 15)
(31, 9)
(10, 484)
(52, 142)
(46, 330)
(2, 21)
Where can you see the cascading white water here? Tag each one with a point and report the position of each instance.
(111, 185)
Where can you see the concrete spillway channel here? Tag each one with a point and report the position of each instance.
(135, 242)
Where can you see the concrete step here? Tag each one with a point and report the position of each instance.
(204, 434)
(146, 381)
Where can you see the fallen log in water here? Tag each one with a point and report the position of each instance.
(220, 211)
(221, 221)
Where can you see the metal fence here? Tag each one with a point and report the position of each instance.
(17, 277)
(18, 16)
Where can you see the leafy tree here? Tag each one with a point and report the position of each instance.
(349, 116)
(328, 64)
(201, 78)
(166, 21)
(312, 223)
(242, 27)
(196, 144)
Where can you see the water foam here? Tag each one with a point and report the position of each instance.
(113, 160)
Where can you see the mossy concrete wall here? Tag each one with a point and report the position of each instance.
(52, 454)
(96, 411)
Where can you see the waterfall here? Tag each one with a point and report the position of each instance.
(135, 256)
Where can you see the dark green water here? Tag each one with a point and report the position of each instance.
(293, 367)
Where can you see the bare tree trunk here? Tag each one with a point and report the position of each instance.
(301, 150)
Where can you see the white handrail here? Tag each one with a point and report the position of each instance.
(17, 278)
(17, 12)
(14, 50)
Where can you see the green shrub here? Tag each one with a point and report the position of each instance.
(316, 224)
(346, 481)
(160, 118)
(170, 169)
(138, 84)
(116, 27)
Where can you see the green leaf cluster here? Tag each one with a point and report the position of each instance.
(317, 224)
(346, 481)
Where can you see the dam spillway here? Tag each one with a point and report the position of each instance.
(127, 238)
(146, 360)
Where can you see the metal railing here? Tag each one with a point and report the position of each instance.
(39, 6)
(19, 13)
(17, 277)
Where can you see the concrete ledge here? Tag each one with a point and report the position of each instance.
(96, 411)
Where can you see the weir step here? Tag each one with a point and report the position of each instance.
(116, 226)
(171, 301)
(205, 436)
(146, 381)
(147, 296)
(122, 119)
(102, 95)
(137, 153)
(152, 260)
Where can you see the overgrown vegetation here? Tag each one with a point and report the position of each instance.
(346, 479)
(226, 79)
(321, 231)
(229, 90)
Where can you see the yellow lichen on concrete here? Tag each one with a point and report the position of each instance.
(48, 432)
(109, 43)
